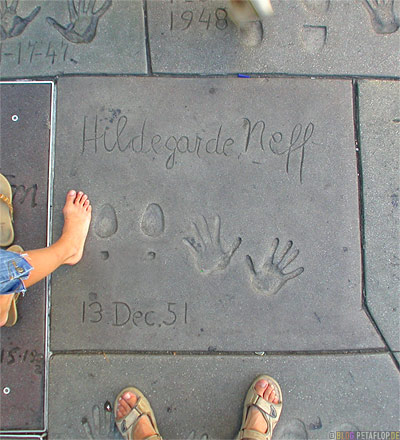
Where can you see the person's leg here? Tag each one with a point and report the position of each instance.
(5, 302)
(69, 248)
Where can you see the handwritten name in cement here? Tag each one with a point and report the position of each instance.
(124, 137)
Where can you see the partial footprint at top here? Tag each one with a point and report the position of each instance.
(153, 222)
(106, 223)
(317, 6)
(294, 429)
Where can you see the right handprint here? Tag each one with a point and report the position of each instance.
(382, 15)
(269, 279)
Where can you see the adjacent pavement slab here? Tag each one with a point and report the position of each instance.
(55, 39)
(194, 396)
(379, 136)
(263, 161)
(25, 133)
(311, 37)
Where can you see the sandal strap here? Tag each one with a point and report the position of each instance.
(130, 420)
(6, 200)
(253, 435)
(267, 408)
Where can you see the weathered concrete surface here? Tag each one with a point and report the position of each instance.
(196, 395)
(109, 39)
(312, 37)
(380, 134)
(148, 280)
(24, 161)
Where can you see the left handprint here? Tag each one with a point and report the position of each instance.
(11, 24)
(102, 423)
(83, 21)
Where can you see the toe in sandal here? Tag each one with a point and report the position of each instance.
(6, 213)
(270, 411)
(127, 424)
(13, 313)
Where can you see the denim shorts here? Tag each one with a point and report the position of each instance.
(13, 269)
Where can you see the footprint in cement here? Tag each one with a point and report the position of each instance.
(153, 222)
(252, 33)
(382, 16)
(314, 38)
(106, 223)
(317, 6)
(294, 429)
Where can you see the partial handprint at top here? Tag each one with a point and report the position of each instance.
(206, 247)
(102, 424)
(11, 24)
(382, 15)
(270, 278)
(83, 21)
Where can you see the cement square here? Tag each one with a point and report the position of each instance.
(198, 397)
(106, 39)
(379, 138)
(308, 37)
(24, 143)
(262, 160)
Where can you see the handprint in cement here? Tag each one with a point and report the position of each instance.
(102, 424)
(206, 247)
(11, 24)
(83, 20)
(382, 15)
(271, 278)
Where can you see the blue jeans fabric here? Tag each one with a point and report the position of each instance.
(13, 269)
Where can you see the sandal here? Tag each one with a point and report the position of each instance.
(6, 212)
(13, 313)
(244, 11)
(127, 424)
(270, 411)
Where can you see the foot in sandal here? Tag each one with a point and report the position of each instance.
(134, 416)
(262, 409)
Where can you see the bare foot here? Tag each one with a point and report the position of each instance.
(77, 215)
(255, 419)
(143, 427)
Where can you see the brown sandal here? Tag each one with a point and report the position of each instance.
(6, 213)
(270, 411)
(127, 424)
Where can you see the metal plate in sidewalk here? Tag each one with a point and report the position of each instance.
(200, 397)
(194, 182)
(311, 37)
(53, 37)
(25, 140)
(379, 135)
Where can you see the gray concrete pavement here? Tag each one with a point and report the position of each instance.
(203, 191)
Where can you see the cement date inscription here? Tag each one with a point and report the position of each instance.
(123, 136)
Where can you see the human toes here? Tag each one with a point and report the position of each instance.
(270, 394)
(70, 197)
(260, 387)
(125, 404)
(78, 197)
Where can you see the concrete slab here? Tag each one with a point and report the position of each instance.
(194, 396)
(59, 39)
(312, 37)
(380, 134)
(259, 166)
(25, 123)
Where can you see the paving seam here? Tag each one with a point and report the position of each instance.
(221, 353)
(358, 146)
(147, 39)
(197, 75)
